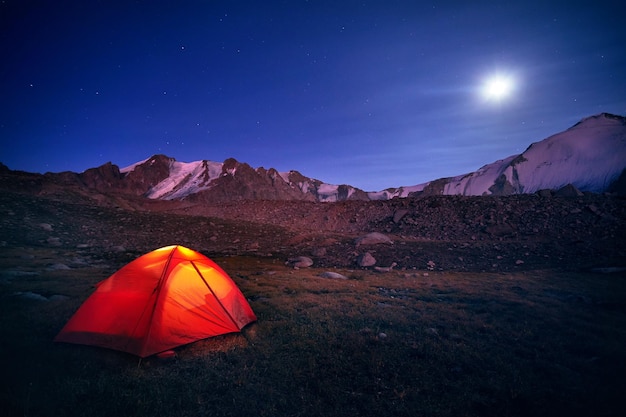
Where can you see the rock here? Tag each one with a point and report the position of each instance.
(332, 275)
(319, 252)
(544, 193)
(366, 260)
(399, 214)
(592, 208)
(300, 262)
(383, 269)
(569, 191)
(365, 331)
(58, 267)
(31, 296)
(54, 241)
(9, 275)
(373, 238)
(46, 226)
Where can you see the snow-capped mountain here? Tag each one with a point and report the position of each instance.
(216, 181)
(229, 180)
(590, 155)
(183, 178)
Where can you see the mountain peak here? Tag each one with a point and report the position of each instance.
(591, 155)
(601, 118)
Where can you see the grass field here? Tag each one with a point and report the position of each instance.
(418, 343)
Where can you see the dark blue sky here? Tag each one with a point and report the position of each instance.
(375, 94)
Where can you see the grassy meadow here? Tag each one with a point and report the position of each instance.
(405, 343)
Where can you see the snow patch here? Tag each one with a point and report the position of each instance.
(132, 167)
(390, 193)
(186, 178)
(285, 176)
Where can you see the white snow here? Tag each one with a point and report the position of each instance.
(186, 178)
(327, 192)
(390, 193)
(131, 168)
(477, 183)
(589, 155)
(285, 176)
(304, 186)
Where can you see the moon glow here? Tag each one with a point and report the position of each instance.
(498, 87)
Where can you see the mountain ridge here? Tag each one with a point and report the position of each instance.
(590, 155)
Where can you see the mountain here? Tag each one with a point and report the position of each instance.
(590, 156)
(227, 181)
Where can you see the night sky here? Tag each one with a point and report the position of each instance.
(375, 94)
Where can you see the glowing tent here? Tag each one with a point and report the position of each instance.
(163, 299)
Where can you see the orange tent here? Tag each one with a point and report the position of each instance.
(166, 298)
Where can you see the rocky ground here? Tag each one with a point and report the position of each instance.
(420, 234)
(529, 330)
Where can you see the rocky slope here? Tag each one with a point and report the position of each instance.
(236, 209)
(522, 232)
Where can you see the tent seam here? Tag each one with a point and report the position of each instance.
(156, 290)
(215, 295)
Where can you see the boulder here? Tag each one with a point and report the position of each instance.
(46, 226)
(319, 252)
(373, 238)
(300, 262)
(544, 193)
(568, 191)
(383, 269)
(332, 275)
(366, 260)
(399, 214)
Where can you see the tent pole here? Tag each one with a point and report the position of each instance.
(157, 292)
(214, 295)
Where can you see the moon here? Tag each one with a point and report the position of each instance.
(498, 87)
